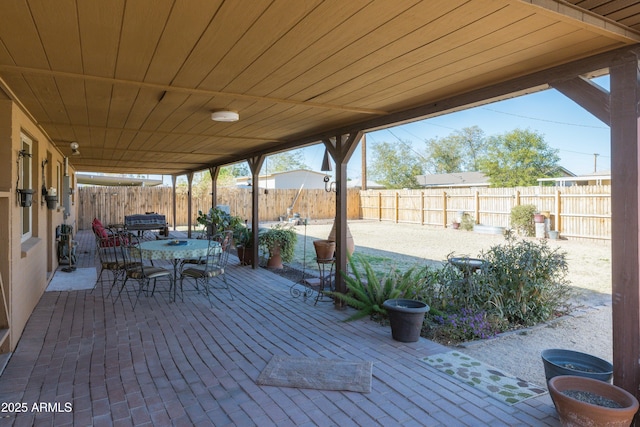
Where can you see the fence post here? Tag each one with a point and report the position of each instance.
(379, 205)
(444, 209)
(477, 206)
(558, 210)
(397, 207)
(422, 208)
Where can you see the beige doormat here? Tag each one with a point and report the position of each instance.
(315, 373)
(77, 280)
(508, 389)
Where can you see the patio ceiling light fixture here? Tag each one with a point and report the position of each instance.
(326, 167)
(75, 148)
(225, 116)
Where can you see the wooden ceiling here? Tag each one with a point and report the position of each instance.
(135, 82)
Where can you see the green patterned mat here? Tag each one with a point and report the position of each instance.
(498, 385)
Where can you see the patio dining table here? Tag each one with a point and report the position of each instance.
(174, 251)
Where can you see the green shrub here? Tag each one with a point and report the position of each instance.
(467, 222)
(524, 282)
(522, 219)
(367, 292)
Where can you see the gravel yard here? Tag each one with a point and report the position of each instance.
(587, 329)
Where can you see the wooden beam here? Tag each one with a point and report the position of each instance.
(593, 98)
(625, 225)
(183, 90)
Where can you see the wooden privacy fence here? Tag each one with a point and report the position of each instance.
(111, 204)
(577, 211)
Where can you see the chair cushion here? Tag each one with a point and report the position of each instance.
(148, 272)
(200, 273)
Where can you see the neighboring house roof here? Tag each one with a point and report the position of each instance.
(457, 179)
(114, 180)
(357, 183)
(598, 177)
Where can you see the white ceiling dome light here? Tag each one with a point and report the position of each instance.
(225, 116)
(75, 148)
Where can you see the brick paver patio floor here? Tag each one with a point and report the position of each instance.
(95, 360)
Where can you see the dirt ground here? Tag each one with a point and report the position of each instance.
(588, 328)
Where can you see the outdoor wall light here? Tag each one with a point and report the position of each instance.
(326, 167)
(225, 116)
(75, 148)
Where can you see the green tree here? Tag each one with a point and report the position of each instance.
(395, 166)
(457, 152)
(518, 158)
(282, 162)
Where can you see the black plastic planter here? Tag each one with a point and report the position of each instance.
(567, 362)
(25, 197)
(52, 201)
(406, 317)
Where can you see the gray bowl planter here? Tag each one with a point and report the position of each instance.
(406, 317)
(568, 362)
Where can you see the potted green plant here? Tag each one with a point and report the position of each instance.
(217, 220)
(243, 237)
(280, 241)
(386, 297)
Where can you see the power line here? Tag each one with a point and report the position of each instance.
(545, 120)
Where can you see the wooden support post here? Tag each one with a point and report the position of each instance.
(341, 148)
(397, 207)
(214, 171)
(422, 207)
(255, 163)
(625, 226)
(190, 203)
(379, 205)
(174, 181)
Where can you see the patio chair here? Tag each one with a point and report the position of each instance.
(202, 260)
(214, 266)
(137, 270)
(109, 253)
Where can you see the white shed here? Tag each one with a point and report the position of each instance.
(293, 179)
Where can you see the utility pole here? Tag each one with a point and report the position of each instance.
(595, 162)
(363, 146)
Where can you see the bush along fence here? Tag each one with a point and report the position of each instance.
(578, 212)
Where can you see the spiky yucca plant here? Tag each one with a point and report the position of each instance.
(366, 292)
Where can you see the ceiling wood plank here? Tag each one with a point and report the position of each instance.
(100, 31)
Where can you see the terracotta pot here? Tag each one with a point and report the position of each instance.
(275, 260)
(245, 255)
(573, 412)
(538, 218)
(350, 244)
(324, 249)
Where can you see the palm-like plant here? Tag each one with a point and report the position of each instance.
(366, 292)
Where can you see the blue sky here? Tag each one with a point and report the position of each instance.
(564, 124)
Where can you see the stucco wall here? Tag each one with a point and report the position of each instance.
(28, 265)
